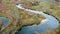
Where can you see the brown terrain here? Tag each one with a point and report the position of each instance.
(18, 17)
(49, 6)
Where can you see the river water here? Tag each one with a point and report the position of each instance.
(4, 20)
(50, 23)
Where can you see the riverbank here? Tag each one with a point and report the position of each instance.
(37, 12)
(50, 7)
(10, 21)
(30, 19)
(52, 15)
(52, 10)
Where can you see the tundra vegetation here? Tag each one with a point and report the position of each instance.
(18, 17)
(51, 7)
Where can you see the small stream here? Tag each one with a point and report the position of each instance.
(50, 23)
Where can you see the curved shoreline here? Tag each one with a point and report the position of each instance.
(35, 12)
(10, 20)
(22, 27)
(53, 16)
(43, 12)
(46, 13)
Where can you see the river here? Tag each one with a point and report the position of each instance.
(50, 23)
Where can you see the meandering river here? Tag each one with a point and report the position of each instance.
(49, 24)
